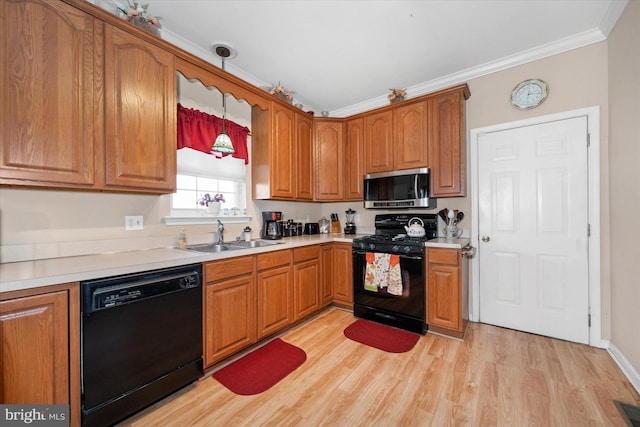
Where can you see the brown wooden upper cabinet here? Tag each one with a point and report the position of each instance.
(446, 143)
(304, 145)
(425, 132)
(49, 81)
(396, 138)
(378, 142)
(354, 161)
(273, 152)
(140, 113)
(329, 159)
(87, 106)
(410, 136)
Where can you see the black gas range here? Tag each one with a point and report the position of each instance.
(391, 237)
(389, 285)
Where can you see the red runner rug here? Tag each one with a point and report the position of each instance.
(380, 336)
(261, 369)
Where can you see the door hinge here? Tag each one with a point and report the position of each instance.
(588, 230)
(588, 140)
(589, 320)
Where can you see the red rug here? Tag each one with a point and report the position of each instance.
(380, 336)
(261, 369)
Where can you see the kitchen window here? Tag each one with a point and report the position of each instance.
(200, 173)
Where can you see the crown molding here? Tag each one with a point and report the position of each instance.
(543, 51)
(612, 15)
(559, 46)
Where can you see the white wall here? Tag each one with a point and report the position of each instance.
(624, 96)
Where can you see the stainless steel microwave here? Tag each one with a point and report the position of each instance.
(408, 188)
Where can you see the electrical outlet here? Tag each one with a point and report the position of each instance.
(133, 222)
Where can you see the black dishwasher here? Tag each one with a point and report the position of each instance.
(141, 340)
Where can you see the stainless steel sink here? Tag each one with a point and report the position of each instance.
(211, 248)
(255, 243)
(234, 246)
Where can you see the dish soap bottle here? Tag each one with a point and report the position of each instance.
(182, 239)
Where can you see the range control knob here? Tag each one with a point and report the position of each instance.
(407, 249)
(372, 246)
(395, 248)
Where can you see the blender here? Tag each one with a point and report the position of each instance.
(350, 226)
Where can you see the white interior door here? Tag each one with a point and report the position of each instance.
(532, 225)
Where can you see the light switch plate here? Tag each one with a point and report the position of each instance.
(134, 222)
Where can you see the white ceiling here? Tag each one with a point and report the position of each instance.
(343, 56)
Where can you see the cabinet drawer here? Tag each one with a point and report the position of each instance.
(443, 256)
(306, 253)
(218, 270)
(274, 259)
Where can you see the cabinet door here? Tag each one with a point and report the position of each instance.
(444, 288)
(342, 274)
(378, 142)
(410, 136)
(282, 167)
(275, 300)
(47, 115)
(446, 145)
(34, 364)
(354, 161)
(140, 114)
(304, 144)
(306, 280)
(230, 325)
(329, 165)
(326, 275)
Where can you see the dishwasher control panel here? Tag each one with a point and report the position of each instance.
(114, 291)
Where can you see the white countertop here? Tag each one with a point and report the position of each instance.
(33, 274)
(441, 242)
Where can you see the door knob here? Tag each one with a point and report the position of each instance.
(485, 238)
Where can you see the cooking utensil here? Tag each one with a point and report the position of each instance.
(459, 217)
(443, 215)
(450, 215)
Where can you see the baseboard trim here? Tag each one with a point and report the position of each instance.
(627, 369)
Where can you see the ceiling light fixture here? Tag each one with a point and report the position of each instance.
(223, 143)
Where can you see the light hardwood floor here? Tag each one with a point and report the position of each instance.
(496, 377)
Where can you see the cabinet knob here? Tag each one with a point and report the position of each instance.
(485, 238)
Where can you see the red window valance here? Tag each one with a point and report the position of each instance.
(198, 130)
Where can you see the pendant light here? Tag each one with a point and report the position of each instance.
(222, 143)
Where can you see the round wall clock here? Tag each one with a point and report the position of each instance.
(529, 94)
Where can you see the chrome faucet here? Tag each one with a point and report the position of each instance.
(220, 233)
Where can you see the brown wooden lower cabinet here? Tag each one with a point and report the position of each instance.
(40, 347)
(229, 307)
(342, 276)
(275, 292)
(447, 291)
(326, 268)
(306, 281)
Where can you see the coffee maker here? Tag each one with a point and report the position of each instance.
(350, 225)
(271, 225)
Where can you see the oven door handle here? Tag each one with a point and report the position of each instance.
(402, 256)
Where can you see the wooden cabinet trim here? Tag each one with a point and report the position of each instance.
(274, 259)
(306, 253)
(443, 256)
(219, 270)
